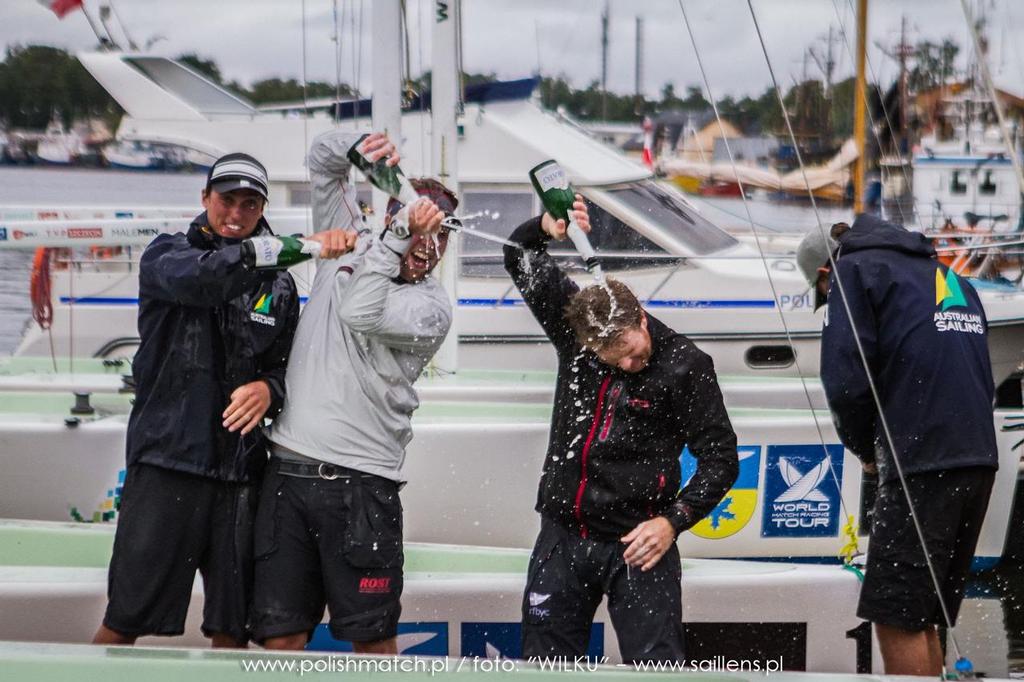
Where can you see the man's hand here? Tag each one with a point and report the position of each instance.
(648, 542)
(249, 402)
(334, 243)
(424, 217)
(870, 468)
(556, 228)
(378, 146)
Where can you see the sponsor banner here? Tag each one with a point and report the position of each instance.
(134, 231)
(414, 639)
(85, 232)
(3, 234)
(490, 640)
(801, 497)
(737, 507)
(12, 216)
(107, 509)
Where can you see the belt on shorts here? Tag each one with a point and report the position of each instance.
(328, 472)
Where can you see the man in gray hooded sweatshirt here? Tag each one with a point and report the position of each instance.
(329, 524)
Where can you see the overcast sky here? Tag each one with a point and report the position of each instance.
(253, 39)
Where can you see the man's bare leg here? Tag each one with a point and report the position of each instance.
(381, 646)
(938, 659)
(296, 642)
(109, 637)
(219, 640)
(909, 652)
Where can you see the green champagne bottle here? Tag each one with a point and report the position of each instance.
(388, 179)
(277, 253)
(557, 196)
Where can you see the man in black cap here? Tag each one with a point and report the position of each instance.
(215, 335)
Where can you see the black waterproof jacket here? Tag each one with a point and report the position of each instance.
(616, 437)
(923, 331)
(207, 325)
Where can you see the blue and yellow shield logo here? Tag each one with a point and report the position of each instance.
(737, 507)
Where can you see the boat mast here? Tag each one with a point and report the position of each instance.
(445, 110)
(859, 107)
(387, 80)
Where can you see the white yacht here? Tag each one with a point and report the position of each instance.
(698, 278)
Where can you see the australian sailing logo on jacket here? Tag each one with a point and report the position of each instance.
(261, 311)
(949, 295)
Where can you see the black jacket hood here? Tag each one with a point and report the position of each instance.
(871, 232)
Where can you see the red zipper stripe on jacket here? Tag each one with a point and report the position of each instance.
(586, 451)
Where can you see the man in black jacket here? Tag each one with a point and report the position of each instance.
(214, 339)
(922, 331)
(631, 393)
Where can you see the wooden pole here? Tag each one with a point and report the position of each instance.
(859, 107)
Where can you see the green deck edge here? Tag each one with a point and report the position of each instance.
(85, 546)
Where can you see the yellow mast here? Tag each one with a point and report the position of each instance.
(859, 106)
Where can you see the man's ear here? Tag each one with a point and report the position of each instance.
(643, 321)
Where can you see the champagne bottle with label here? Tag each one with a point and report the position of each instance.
(388, 179)
(557, 196)
(277, 253)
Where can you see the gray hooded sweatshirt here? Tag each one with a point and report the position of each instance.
(363, 338)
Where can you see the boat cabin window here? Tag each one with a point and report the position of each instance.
(480, 257)
(618, 245)
(956, 185)
(670, 213)
(987, 187)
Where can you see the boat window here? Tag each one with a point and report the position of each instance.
(987, 187)
(205, 96)
(480, 257)
(956, 185)
(670, 212)
(618, 245)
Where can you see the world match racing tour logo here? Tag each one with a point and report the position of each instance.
(949, 294)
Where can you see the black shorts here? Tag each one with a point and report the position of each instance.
(568, 576)
(950, 505)
(334, 542)
(171, 524)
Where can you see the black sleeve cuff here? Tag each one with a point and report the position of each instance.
(682, 517)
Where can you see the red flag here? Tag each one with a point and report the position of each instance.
(61, 7)
(648, 154)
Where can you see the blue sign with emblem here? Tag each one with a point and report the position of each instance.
(3, 234)
(414, 639)
(737, 507)
(801, 493)
(490, 640)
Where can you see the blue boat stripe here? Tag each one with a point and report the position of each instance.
(657, 303)
(104, 300)
(491, 302)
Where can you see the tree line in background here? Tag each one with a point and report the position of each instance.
(39, 83)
